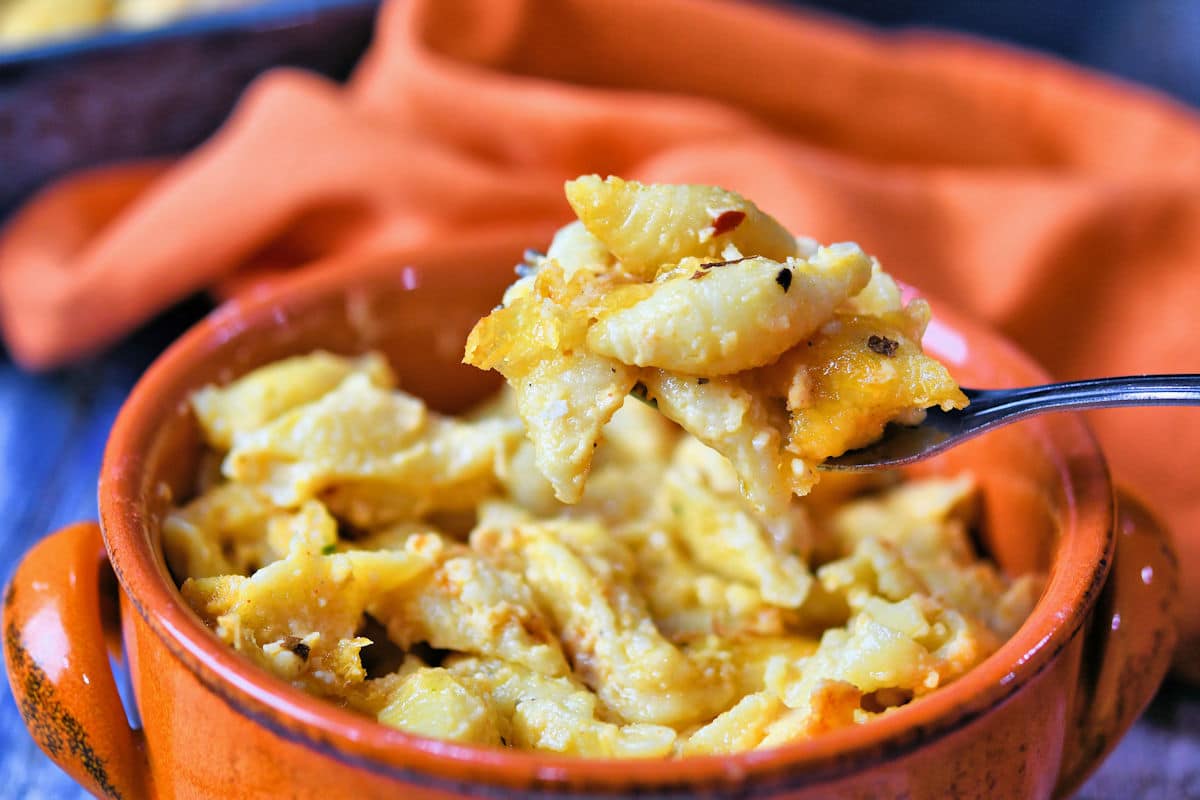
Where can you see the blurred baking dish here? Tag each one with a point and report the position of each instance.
(115, 93)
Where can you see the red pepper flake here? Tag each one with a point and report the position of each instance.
(727, 221)
(715, 264)
(883, 345)
(784, 279)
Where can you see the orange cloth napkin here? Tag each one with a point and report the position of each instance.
(1060, 207)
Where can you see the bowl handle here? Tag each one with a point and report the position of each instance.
(1129, 644)
(56, 652)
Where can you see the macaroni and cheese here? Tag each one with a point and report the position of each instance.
(774, 351)
(571, 569)
(419, 569)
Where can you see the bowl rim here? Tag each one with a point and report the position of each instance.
(1081, 569)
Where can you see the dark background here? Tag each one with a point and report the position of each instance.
(53, 426)
(1155, 42)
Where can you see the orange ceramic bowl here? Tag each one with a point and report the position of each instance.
(1029, 722)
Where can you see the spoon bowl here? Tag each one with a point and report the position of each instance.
(990, 408)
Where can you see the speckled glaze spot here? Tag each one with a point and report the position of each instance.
(54, 728)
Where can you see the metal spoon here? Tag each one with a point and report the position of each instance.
(991, 408)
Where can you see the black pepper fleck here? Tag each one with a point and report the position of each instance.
(701, 381)
(784, 279)
(298, 647)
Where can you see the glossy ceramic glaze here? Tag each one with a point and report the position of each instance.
(1029, 722)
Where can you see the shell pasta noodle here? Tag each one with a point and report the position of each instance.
(420, 569)
(775, 351)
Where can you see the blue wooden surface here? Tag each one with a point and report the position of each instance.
(52, 433)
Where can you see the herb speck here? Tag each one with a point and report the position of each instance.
(640, 391)
(883, 345)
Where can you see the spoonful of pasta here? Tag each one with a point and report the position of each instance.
(787, 357)
(991, 408)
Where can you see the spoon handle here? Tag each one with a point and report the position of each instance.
(994, 405)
